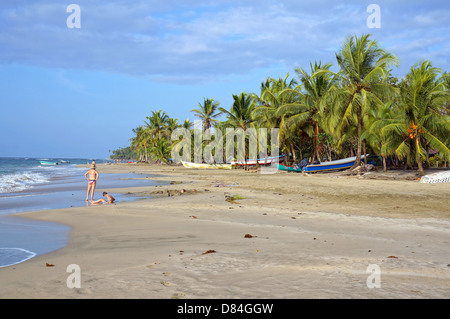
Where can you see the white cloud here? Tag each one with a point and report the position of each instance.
(196, 39)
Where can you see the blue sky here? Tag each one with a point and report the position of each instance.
(79, 92)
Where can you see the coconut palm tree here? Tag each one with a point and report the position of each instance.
(422, 96)
(364, 69)
(207, 112)
(172, 125)
(161, 151)
(157, 125)
(140, 141)
(274, 94)
(188, 125)
(239, 116)
(378, 118)
(307, 112)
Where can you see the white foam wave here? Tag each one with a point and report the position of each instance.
(12, 256)
(20, 181)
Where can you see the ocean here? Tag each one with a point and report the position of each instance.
(27, 185)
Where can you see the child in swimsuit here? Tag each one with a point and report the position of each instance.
(102, 200)
(92, 181)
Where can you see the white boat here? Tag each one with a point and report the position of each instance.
(205, 165)
(49, 163)
(439, 177)
(261, 161)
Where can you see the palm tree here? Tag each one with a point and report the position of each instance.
(172, 125)
(207, 112)
(161, 151)
(308, 111)
(188, 125)
(239, 116)
(157, 125)
(363, 73)
(377, 119)
(274, 94)
(422, 97)
(240, 113)
(140, 141)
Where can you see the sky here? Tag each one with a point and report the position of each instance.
(77, 90)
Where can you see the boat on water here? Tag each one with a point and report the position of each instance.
(344, 163)
(261, 161)
(205, 165)
(439, 177)
(64, 162)
(48, 163)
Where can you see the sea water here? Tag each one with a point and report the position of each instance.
(22, 239)
(26, 185)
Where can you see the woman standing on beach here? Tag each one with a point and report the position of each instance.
(92, 181)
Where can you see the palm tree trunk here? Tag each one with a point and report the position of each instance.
(384, 164)
(418, 159)
(316, 141)
(358, 150)
(293, 152)
(364, 152)
(419, 164)
(146, 153)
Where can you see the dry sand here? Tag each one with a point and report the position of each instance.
(288, 236)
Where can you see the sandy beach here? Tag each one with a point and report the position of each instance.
(240, 234)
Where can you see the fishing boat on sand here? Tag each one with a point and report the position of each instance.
(439, 177)
(322, 167)
(261, 161)
(205, 165)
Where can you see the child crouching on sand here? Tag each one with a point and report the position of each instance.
(102, 200)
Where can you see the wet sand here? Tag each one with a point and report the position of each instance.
(241, 234)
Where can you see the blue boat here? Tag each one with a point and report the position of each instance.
(325, 166)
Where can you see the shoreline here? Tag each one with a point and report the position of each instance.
(309, 237)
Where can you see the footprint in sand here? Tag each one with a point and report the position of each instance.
(165, 283)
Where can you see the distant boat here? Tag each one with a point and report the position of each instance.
(205, 165)
(261, 161)
(64, 162)
(49, 163)
(322, 167)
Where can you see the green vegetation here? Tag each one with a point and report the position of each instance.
(123, 153)
(323, 114)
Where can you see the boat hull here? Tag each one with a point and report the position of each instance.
(287, 168)
(48, 163)
(207, 166)
(323, 167)
(261, 161)
(440, 177)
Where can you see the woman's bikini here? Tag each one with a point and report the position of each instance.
(91, 179)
